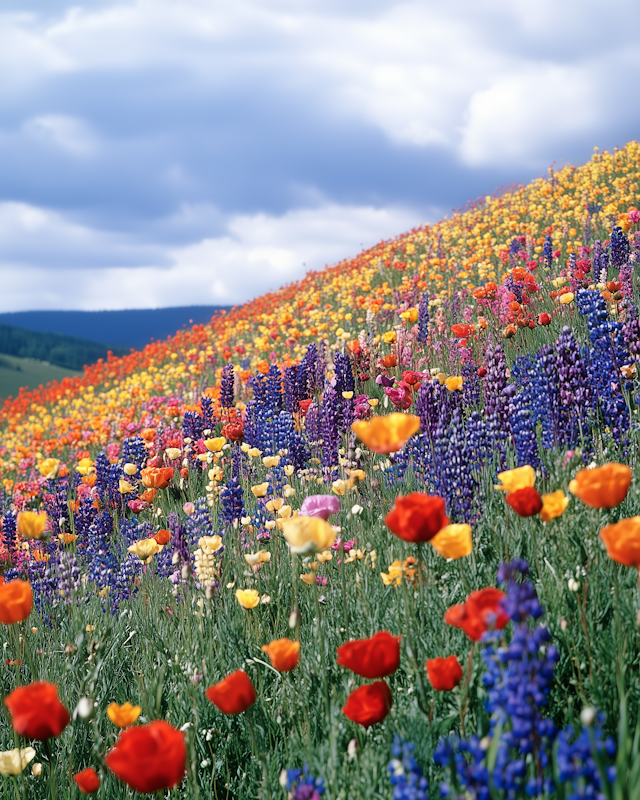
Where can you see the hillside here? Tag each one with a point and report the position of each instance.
(375, 533)
(16, 373)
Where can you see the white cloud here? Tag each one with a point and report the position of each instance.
(67, 133)
(257, 253)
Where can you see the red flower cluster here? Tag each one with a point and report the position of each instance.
(482, 611)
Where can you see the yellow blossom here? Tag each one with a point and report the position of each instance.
(12, 762)
(453, 541)
(326, 555)
(85, 466)
(518, 478)
(123, 715)
(144, 548)
(130, 469)
(260, 489)
(454, 383)
(31, 524)
(248, 598)
(124, 487)
(215, 445)
(566, 298)
(553, 505)
(173, 453)
(261, 557)
(389, 337)
(275, 504)
(307, 535)
(309, 577)
(49, 467)
(253, 452)
(271, 461)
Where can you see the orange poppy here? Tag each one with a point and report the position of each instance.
(157, 477)
(283, 653)
(16, 601)
(386, 434)
(163, 536)
(602, 487)
(622, 541)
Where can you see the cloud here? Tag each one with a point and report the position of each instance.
(68, 133)
(256, 254)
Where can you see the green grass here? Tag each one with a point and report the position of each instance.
(17, 372)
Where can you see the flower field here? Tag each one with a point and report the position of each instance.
(374, 535)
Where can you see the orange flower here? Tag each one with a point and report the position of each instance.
(157, 477)
(163, 536)
(123, 715)
(602, 487)
(283, 654)
(148, 495)
(390, 361)
(387, 434)
(16, 600)
(622, 541)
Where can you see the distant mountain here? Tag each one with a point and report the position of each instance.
(128, 328)
(68, 352)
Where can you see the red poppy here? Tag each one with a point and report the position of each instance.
(462, 331)
(482, 611)
(414, 379)
(544, 319)
(444, 673)
(233, 431)
(149, 758)
(304, 405)
(87, 780)
(376, 657)
(234, 694)
(369, 704)
(36, 712)
(526, 502)
(417, 517)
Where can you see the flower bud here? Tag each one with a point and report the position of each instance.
(588, 716)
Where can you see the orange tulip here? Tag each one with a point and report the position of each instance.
(283, 653)
(16, 600)
(622, 541)
(602, 487)
(387, 434)
(157, 477)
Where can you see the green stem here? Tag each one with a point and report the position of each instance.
(54, 789)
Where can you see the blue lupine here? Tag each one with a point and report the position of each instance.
(329, 429)
(231, 501)
(423, 318)
(208, 418)
(404, 773)
(547, 252)
(302, 785)
(619, 247)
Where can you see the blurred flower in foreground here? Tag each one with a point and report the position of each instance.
(376, 657)
(307, 535)
(16, 601)
(320, 505)
(36, 712)
(301, 785)
(444, 673)
(149, 758)
(123, 715)
(31, 524)
(602, 487)
(514, 479)
(369, 704)
(87, 780)
(417, 517)
(482, 611)
(234, 694)
(12, 762)
(553, 505)
(386, 434)
(526, 502)
(453, 541)
(622, 541)
(283, 653)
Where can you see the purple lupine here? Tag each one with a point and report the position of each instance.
(575, 385)
(458, 475)
(227, 386)
(600, 262)
(546, 397)
(329, 427)
(69, 579)
(619, 247)
(423, 318)
(523, 428)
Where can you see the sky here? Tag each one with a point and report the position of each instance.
(157, 153)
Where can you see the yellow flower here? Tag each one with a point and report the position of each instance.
(130, 469)
(441, 376)
(454, 541)
(514, 479)
(558, 282)
(275, 504)
(271, 461)
(309, 577)
(386, 434)
(31, 524)
(394, 576)
(288, 491)
(389, 337)
(124, 487)
(288, 470)
(260, 489)
(339, 487)
(566, 298)
(248, 598)
(85, 466)
(210, 543)
(123, 715)
(261, 557)
(49, 467)
(285, 512)
(12, 762)
(173, 453)
(215, 445)
(553, 505)
(145, 548)
(307, 535)
(410, 315)
(454, 383)
(347, 395)
(253, 452)
(326, 555)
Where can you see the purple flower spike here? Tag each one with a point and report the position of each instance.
(320, 505)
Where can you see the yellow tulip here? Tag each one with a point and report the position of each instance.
(85, 466)
(145, 548)
(248, 598)
(260, 489)
(31, 524)
(123, 715)
(49, 467)
(307, 535)
(514, 479)
(261, 557)
(553, 505)
(453, 541)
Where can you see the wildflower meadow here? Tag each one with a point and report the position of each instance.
(374, 535)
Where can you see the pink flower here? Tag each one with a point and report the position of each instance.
(137, 505)
(320, 505)
(633, 215)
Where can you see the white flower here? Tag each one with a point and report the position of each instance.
(12, 762)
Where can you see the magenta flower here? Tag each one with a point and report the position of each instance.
(320, 505)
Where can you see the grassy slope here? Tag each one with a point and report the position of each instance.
(18, 372)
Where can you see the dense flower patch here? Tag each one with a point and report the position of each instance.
(247, 561)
